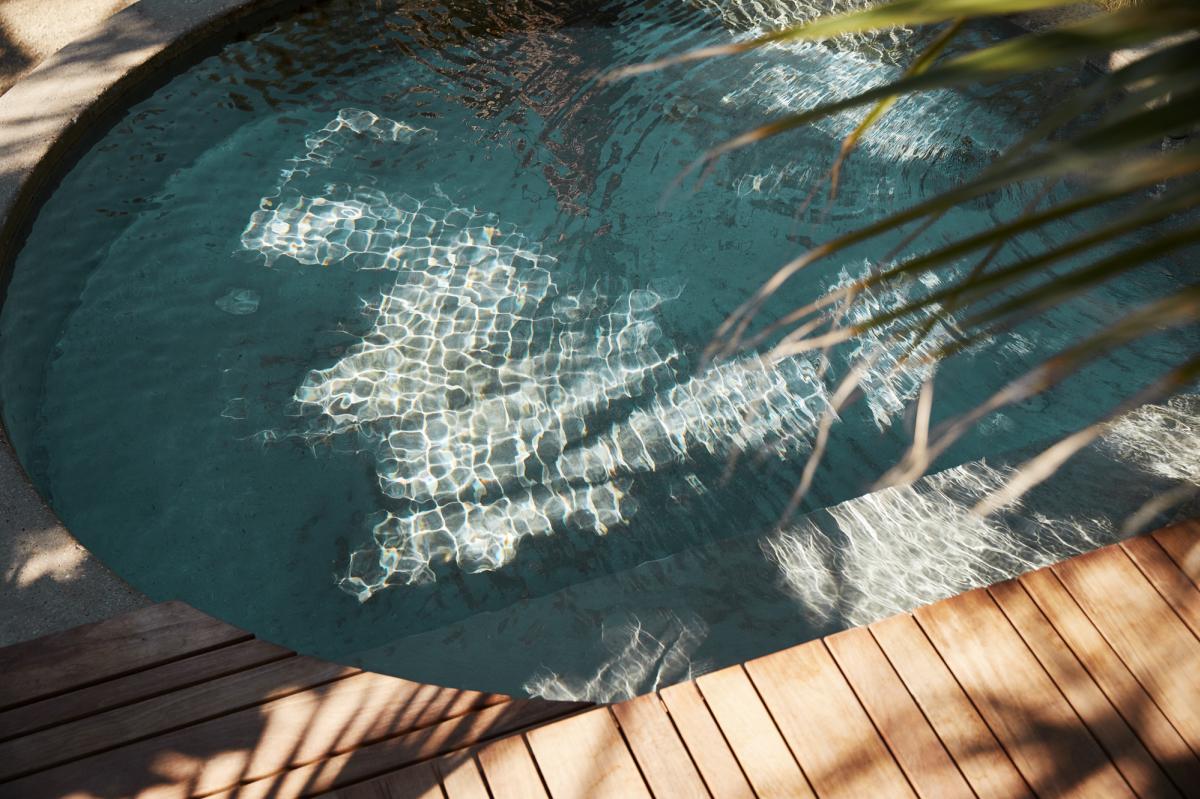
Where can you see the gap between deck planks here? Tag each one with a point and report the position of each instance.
(1075, 680)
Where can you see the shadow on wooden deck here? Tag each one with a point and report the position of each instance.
(1075, 680)
(170, 702)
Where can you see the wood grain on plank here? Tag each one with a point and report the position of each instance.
(1138, 623)
(1120, 743)
(394, 754)
(254, 743)
(584, 756)
(752, 735)
(415, 782)
(664, 761)
(831, 735)
(106, 649)
(1182, 543)
(1173, 585)
(1110, 638)
(187, 706)
(967, 738)
(173, 676)
(509, 769)
(1114, 678)
(1018, 699)
(460, 775)
(913, 742)
(704, 740)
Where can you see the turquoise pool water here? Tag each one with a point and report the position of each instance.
(378, 334)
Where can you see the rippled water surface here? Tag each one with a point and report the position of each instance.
(378, 334)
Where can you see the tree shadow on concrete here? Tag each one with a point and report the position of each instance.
(14, 60)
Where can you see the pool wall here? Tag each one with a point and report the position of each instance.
(48, 118)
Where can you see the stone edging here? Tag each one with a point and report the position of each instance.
(48, 581)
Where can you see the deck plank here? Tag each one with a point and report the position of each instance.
(303, 727)
(509, 769)
(1120, 743)
(1114, 678)
(174, 676)
(984, 763)
(1038, 728)
(752, 735)
(704, 740)
(661, 755)
(189, 706)
(1143, 630)
(106, 649)
(461, 778)
(1182, 543)
(913, 742)
(1172, 584)
(398, 753)
(831, 735)
(584, 757)
(415, 782)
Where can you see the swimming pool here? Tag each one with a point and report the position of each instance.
(377, 334)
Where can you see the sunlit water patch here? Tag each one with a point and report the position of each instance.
(500, 404)
(393, 353)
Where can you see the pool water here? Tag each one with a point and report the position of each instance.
(379, 334)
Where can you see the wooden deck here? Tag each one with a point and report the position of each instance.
(1078, 680)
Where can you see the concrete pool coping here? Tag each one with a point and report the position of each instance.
(33, 30)
(50, 581)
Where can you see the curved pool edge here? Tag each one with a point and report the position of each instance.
(49, 581)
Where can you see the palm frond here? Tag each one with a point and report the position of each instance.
(1105, 140)
(902, 12)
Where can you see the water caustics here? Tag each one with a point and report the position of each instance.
(497, 403)
(897, 549)
(471, 370)
(645, 654)
(907, 546)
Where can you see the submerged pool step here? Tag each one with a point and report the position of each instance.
(731, 600)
